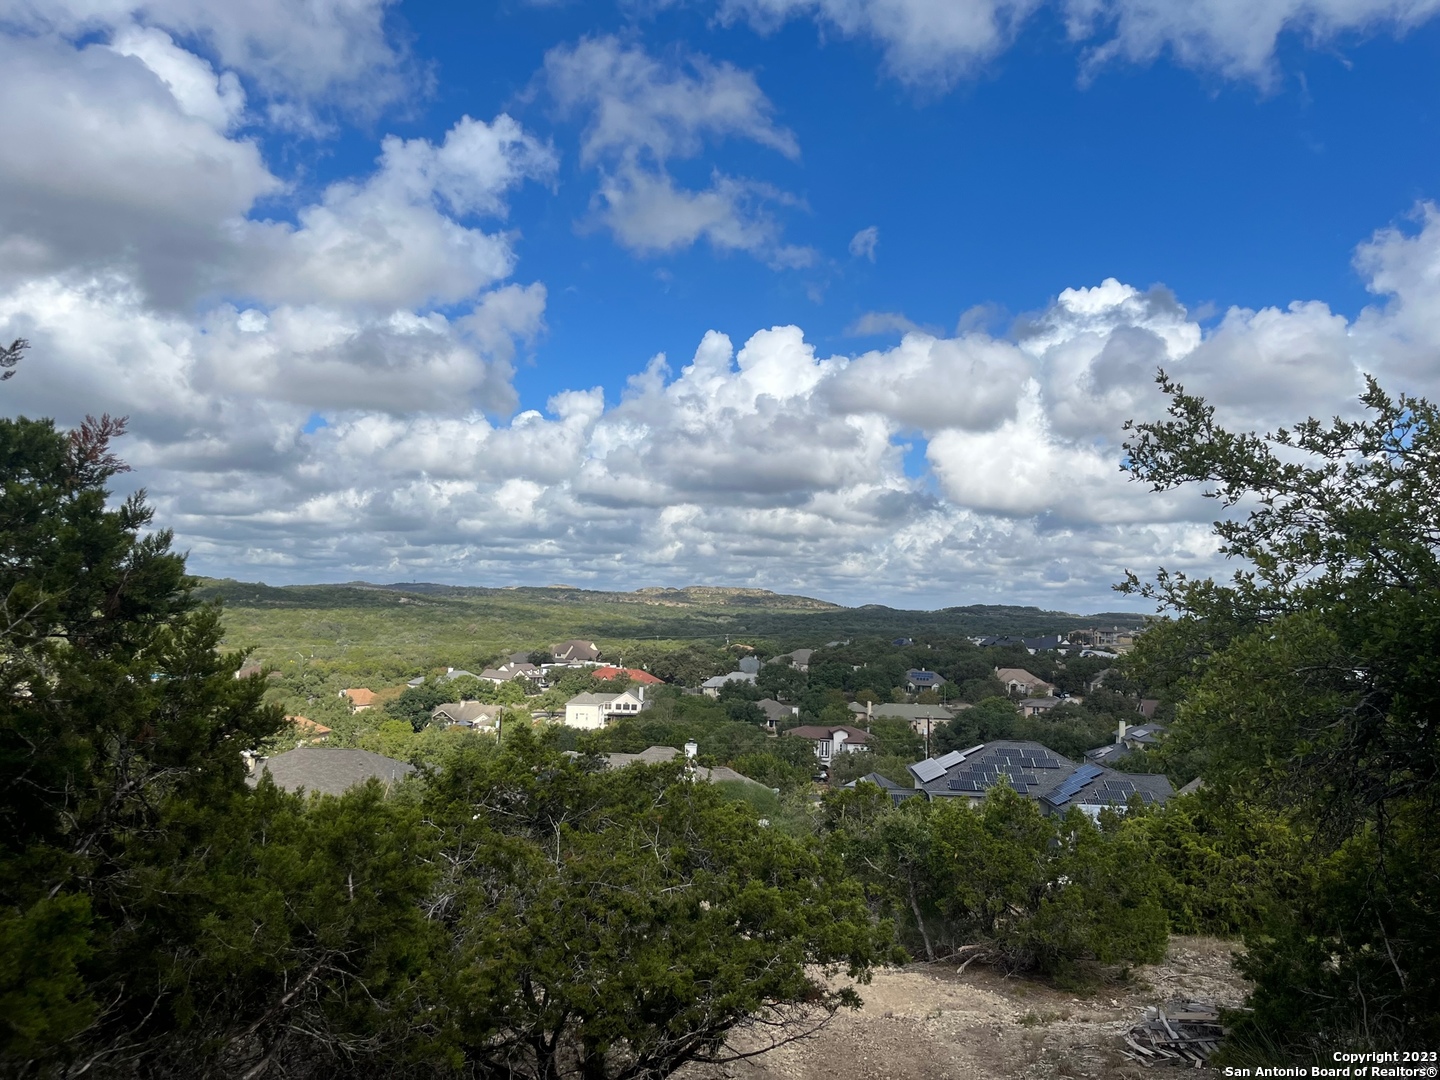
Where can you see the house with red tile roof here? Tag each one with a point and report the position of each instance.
(360, 699)
(636, 675)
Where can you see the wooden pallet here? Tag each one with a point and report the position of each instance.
(1181, 1033)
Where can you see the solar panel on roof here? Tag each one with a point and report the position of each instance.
(1073, 783)
(954, 757)
(928, 770)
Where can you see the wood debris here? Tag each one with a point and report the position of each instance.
(1182, 1033)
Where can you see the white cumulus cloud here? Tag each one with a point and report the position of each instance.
(642, 111)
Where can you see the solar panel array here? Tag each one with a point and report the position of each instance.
(1116, 793)
(1071, 785)
(1017, 765)
(928, 770)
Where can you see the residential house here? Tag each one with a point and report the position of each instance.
(1019, 681)
(711, 687)
(1037, 706)
(1147, 706)
(360, 699)
(1031, 645)
(451, 674)
(830, 741)
(776, 713)
(903, 642)
(576, 652)
(466, 714)
(749, 664)
(309, 730)
(510, 670)
(917, 679)
(1119, 639)
(658, 755)
(635, 675)
(897, 792)
(591, 712)
(250, 670)
(799, 659)
(327, 771)
(1098, 680)
(1036, 772)
(418, 680)
(922, 718)
(1128, 739)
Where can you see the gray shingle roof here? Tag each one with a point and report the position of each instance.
(651, 755)
(879, 781)
(466, 712)
(329, 771)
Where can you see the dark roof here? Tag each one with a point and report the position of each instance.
(815, 732)
(1030, 768)
(1037, 772)
(575, 649)
(329, 771)
(1095, 785)
(1108, 753)
(921, 677)
(774, 710)
(879, 781)
(1049, 641)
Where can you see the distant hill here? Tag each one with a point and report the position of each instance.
(426, 623)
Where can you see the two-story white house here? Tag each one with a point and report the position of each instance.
(591, 712)
(830, 741)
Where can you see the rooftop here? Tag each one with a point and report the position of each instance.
(329, 771)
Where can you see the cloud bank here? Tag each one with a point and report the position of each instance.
(321, 384)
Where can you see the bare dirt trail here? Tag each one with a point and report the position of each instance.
(928, 1022)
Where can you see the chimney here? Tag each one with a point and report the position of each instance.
(1120, 732)
(691, 749)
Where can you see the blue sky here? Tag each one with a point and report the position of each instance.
(909, 265)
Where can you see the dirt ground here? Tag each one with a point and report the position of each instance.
(930, 1022)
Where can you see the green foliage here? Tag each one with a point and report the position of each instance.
(1224, 864)
(1055, 895)
(1310, 684)
(620, 923)
(416, 703)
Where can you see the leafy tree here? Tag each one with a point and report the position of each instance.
(115, 702)
(781, 681)
(1059, 895)
(993, 718)
(616, 925)
(416, 703)
(895, 737)
(772, 770)
(1311, 683)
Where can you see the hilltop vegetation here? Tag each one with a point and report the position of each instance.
(415, 626)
